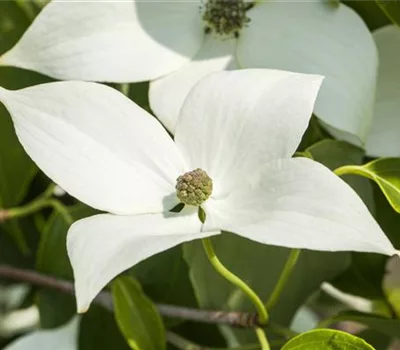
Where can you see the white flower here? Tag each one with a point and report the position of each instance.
(384, 136)
(240, 127)
(166, 41)
(63, 338)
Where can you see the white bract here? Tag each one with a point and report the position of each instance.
(240, 127)
(176, 43)
(384, 137)
(63, 338)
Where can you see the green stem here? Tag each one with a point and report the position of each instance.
(62, 210)
(212, 257)
(43, 201)
(30, 208)
(352, 170)
(284, 277)
(262, 338)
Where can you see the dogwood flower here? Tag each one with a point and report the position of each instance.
(235, 135)
(383, 138)
(62, 338)
(176, 43)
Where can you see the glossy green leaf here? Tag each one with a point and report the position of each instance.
(165, 279)
(388, 326)
(137, 317)
(391, 8)
(139, 94)
(370, 12)
(313, 134)
(391, 284)
(388, 219)
(10, 254)
(16, 169)
(385, 172)
(260, 266)
(327, 339)
(334, 154)
(56, 308)
(99, 331)
(364, 276)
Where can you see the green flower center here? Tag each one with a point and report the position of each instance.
(226, 17)
(194, 187)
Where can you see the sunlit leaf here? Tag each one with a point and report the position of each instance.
(391, 8)
(385, 172)
(137, 317)
(327, 339)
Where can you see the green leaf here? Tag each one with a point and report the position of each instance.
(10, 254)
(391, 284)
(388, 326)
(13, 23)
(364, 276)
(16, 169)
(139, 94)
(385, 172)
(99, 331)
(137, 317)
(56, 308)
(327, 339)
(370, 12)
(260, 266)
(165, 278)
(388, 219)
(334, 154)
(313, 134)
(391, 8)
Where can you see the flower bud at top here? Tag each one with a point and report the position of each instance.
(194, 187)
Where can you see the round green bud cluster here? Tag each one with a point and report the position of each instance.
(194, 187)
(226, 17)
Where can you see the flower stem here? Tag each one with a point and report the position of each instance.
(262, 338)
(212, 257)
(353, 170)
(284, 277)
(41, 202)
